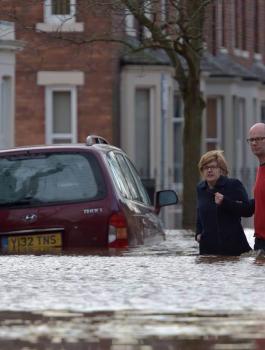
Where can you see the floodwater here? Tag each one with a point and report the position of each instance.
(147, 298)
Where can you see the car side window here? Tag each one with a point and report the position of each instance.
(118, 176)
(144, 195)
(136, 195)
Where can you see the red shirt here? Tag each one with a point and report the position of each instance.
(259, 195)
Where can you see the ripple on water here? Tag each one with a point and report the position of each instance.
(159, 297)
(166, 277)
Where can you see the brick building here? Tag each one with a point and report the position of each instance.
(66, 90)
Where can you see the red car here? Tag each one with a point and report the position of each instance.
(64, 197)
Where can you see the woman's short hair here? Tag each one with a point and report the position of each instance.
(214, 156)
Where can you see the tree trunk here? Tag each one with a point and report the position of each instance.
(193, 108)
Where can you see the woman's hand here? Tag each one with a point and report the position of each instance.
(218, 198)
(198, 237)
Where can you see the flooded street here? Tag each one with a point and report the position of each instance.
(160, 297)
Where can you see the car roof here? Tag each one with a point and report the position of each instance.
(94, 147)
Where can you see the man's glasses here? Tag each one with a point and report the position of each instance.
(255, 139)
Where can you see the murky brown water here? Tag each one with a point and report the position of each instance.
(147, 298)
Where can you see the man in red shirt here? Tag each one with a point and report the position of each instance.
(257, 143)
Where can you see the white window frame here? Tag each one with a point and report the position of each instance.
(240, 137)
(50, 135)
(149, 89)
(63, 23)
(130, 25)
(180, 121)
(59, 19)
(219, 115)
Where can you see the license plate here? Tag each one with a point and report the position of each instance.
(32, 243)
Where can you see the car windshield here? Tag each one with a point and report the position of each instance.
(49, 178)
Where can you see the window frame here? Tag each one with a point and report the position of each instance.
(178, 120)
(148, 120)
(50, 135)
(219, 114)
(62, 23)
(59, 19)
(131, 27)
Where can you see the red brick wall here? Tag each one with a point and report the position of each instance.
(42, 52)
(254, 23)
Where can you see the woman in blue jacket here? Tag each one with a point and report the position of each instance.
(222, 201)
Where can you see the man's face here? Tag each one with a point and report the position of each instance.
(257, 140)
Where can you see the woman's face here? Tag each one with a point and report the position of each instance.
(211, 172)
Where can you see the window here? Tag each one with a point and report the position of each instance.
(132, 25)
(214, 29)
(129, 23)
(59, 11)
(126, 178)
(142, 131)
(5, 102)
(256, 19)
(239, 106)
(223, 24)
(143, 194)
(244, 25)
(240, 22)
(61, 115)
(262, 112)
(5, 110)
(214, 117)
(237, 24)
(118, 177)
(46, 178)
(61, 7)
(135, 195)
(178, 122)
(60, 15)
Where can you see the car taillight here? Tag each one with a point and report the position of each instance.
(118, 232)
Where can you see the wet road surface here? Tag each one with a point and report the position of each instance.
(146, 298)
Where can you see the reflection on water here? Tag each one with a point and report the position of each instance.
(159, 297)
(131, 330)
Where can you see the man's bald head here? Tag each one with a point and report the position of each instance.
(258, 127)
(257, 140)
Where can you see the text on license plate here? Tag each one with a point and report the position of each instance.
(38, 242)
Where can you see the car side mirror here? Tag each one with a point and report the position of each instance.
(165, 198)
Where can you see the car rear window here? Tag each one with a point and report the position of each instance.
(49, 178)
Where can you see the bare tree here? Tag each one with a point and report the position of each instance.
(176, 27)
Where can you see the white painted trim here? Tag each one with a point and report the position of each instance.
(49, 135)
(258, 56)
(60, 78)
(223, 49)
(245, 54)
(241, 53)
(60, 27)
